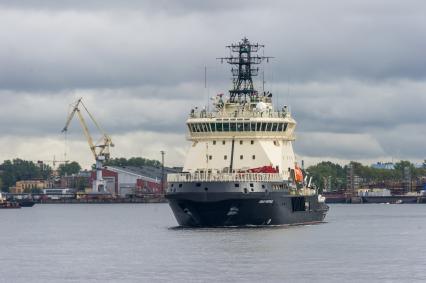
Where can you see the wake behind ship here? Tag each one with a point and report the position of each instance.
(241, 168)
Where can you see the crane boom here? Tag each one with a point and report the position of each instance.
(86, 133)
(100, 150)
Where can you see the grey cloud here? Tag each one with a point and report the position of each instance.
(352, 71)
(344, 146)
(65, 49)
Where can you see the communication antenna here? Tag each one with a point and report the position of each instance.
(243, 57)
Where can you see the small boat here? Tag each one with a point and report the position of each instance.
(26, 202)
(4, 203)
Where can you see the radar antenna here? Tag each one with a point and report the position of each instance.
(242, 58)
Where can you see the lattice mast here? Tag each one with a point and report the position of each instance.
(243, 57)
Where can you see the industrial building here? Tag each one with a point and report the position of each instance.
(130, 180)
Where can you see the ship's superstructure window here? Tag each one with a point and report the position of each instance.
(251, 142)
(253, 157)
(233, 126)
(219, 127)
(214, 142)
(241, 142)
(225, 127)
(225, 157)
(241, 157)
(223, 142)
(240, 127)
(210, 157)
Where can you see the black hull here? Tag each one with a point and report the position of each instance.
(229, 209)
(25, 203)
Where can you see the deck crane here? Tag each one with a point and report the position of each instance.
(100, 150)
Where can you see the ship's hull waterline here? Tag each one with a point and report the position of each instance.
(217, 209)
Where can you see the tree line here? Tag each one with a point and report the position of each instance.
(15, 170)
(333, 175)
(133, 161)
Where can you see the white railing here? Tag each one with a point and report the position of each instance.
(241, 114)
(225, 177)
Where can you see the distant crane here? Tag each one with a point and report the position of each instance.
(100, 150)
(54, 162)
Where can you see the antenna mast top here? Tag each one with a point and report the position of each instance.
(242, 58)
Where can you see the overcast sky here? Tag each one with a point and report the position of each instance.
(353, 73)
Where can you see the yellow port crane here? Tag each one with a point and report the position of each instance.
(100, 150)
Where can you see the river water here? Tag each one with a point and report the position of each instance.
(140, 243)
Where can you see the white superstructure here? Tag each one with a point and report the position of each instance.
(241, 135)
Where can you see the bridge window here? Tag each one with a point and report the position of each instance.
(246, 127)
(213, 127)
(274, 127)
(206, 127)
(258, 126)
(253, 126)
(285, 127)
(280, 127)
(232, 127)
(219, 127)
(240, 127)
(264, 127)
(226, 127)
